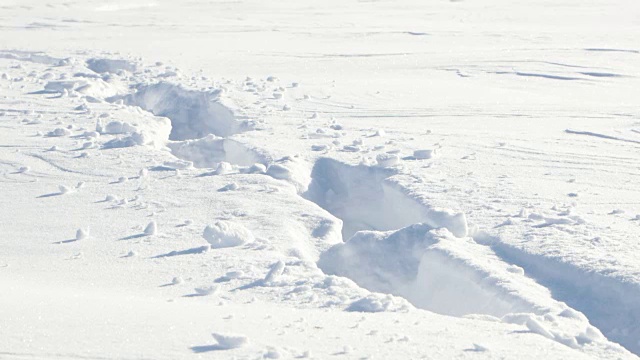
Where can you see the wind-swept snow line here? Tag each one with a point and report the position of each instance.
(602, 136)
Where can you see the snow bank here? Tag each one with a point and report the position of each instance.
(227, 234)
(193, 114)
(364, 199)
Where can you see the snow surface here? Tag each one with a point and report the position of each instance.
(348, 179)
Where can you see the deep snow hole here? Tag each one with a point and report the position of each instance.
(193, 114)
(363, 198)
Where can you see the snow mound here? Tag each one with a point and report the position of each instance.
(193, 114)
(227, 234)
(364, 198)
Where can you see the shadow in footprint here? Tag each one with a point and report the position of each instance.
(64, 241)
(194, 295)
(196, 250)
(250, 285)
(206, 348)
(49, 195)
(131, 237)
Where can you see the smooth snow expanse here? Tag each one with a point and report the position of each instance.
(338, 179)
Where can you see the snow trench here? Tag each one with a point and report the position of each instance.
(395, 244)
(209, 151)
(199, 123)
(433, 270)
(194, 114)
(612, 305)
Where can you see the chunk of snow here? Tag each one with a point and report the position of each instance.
(278, 171)
(59, 132)
(207, 290)
(423, 154)
(257, 169)
(227, 234)
(230, 341)
(151, 229)
(110, 65)
(387, 160)
(224, 168)
(274, 273)
(535, 326)
(229, 187)
(82, 234)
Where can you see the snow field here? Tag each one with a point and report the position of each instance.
(366, 227)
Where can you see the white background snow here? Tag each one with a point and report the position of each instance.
(338, 179)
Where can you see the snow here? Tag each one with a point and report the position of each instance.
(229, 341)
(227, 234)
(151, 229)
(332, 179)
